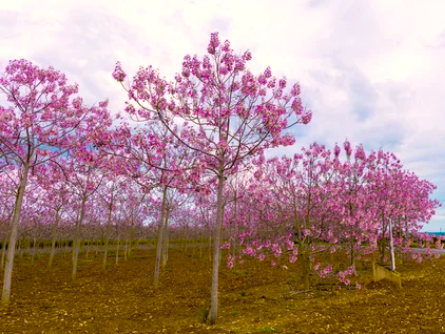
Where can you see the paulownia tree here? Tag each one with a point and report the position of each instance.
(43, 120)
(56, 197)
(85, 174)
(301, 187)
(219, 109)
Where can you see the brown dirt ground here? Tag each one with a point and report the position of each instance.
(254, 298)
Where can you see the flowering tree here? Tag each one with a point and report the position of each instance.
(84, 175)
(398, 194)
(155, 162)
(352, 202)
(113, 185)
(8, 193)
(56, 196)
(302, 187)
(218, 108)
(331, 205)
(44, 119)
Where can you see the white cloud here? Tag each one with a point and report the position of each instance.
(370, 71)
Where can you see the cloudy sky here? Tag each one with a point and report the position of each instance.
(371, 71)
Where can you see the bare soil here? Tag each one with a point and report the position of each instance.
(255, 297)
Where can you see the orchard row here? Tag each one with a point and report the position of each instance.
(188, 160)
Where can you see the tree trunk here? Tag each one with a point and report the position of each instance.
(107, 236)
(160, 236)
(210, 244)
(130, 246)
(352, 262)
(76, 241)
(117, 249)
(235, 235)
(34, 250)
(382, 241)
(96, 249)
(88, 246)
(305, 266)
(391, 248)
(19, 248)
(5, 241)
(165, 241)
(216, 250)
(53, 243)
(195, 238)
(6, 295)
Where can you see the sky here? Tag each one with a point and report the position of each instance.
(371, 71)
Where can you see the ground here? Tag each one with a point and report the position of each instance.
(255, 297)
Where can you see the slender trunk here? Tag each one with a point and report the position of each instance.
(304, 246)
(34, 250)
(38, 249)
(406, 227)
(165, 242)
(6, 295)
(399, 220)
(297, 223)
(281, 220)
(235, 246)
(216, 250)
(130, 246)
(53, 243)
(382, 242)
(19, 248)
(235, 235)
(391, 248)
(107, 236)
(352, 240)
(352, 263)
(76, 241)
(160, 236)
(87, 246)
(305, 263)
(195, 238)
(210, 244)
(117, 249)
(5, 241)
